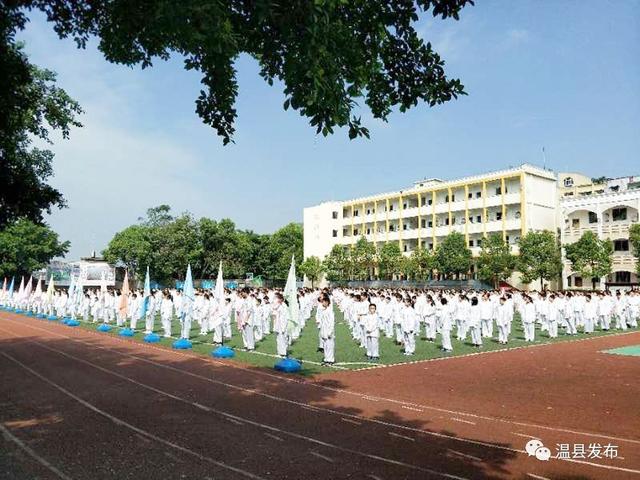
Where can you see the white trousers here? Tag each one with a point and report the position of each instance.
(372, 347)
(329, 346)
(529, 332)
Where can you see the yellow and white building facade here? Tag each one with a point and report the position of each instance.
(510, 202)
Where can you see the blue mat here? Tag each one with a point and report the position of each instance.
(182, 344)
(72, 322)
(52, 318)
(223, 352)
(104, 328)
(126, 332)
(152, 338)
(288, 365)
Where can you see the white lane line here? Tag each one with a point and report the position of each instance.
(323, 457)
(374, 477)
(537, 477)
(348, 420)
(201, 407)
(245, 420)
(412, 408)
(327, 410)
(402, 436)
(119, 421)
(281, 378)
(233, 420)
(462, 421)
(29, 451)
(530, 437)
(275, 437)
(371, 399)
(465, 455)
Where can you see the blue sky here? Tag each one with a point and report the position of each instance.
(559, 74)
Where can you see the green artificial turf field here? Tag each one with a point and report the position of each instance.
(348, 353)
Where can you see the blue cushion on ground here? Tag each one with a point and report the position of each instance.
(72, 322)
(152, 338)
(288, 365)
(126, 332)
(223, 352)
(41, 315)
(17, 310)
(104, 327)
(52, 318)
(182, 344)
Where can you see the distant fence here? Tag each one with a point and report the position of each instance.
(430, 284)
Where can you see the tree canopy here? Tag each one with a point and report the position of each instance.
(167, 243)
(26, 246)
(539, 257)
(453, 257)
(31, 105)
(495, 263)
(590, 256)
(634, 240)
(329, 55)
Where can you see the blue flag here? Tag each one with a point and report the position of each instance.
(11, 287)
(146, 294)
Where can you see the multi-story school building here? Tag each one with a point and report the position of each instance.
(509, 202)
(607, 207)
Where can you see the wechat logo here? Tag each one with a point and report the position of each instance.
(535, 448)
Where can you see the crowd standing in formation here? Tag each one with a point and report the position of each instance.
(404, 315)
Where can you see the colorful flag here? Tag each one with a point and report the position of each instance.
(291, 296)
(27, 288)
(21, 289)
(123, 308)
(10, 291)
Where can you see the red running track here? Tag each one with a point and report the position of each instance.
(79, 404)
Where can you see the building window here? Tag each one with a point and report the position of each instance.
(619, 214)
(499, 191)
(498, 215)
(404, 226)
(621, 245)
(424, 223)
(356, 231)
(506, 239)
(404, 248)
(568, 182)
(471, 243)
(431, 246)
(478, 194)
(446, 221)
(517, 215)
(623, 277)
(355, 213)
(470, 219)
(578, 282)
(593, 217)
(430, 202)
(575, 222)
(470, 196)
(391, 207)
(368, 211)
(404, 205)
(344, 232)
(334, 233)
(334, 215)
(424, 200)
(446, 199)
(479, 242)
(568, 281)
(479, 219)
(368, 231)
(453, 197)
(430, 223)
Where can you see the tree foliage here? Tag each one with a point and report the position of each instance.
(495, 263)
(421, 264)
(539, 257)
(167, 243)
(26, 246)
(363, 259)
(338, 263)
(390, 260)
(328, 55)
(634, 240)
(590, 256)
(312, 268)
(453, 257)
(31, 105)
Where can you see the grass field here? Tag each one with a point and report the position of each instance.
(348, 354)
